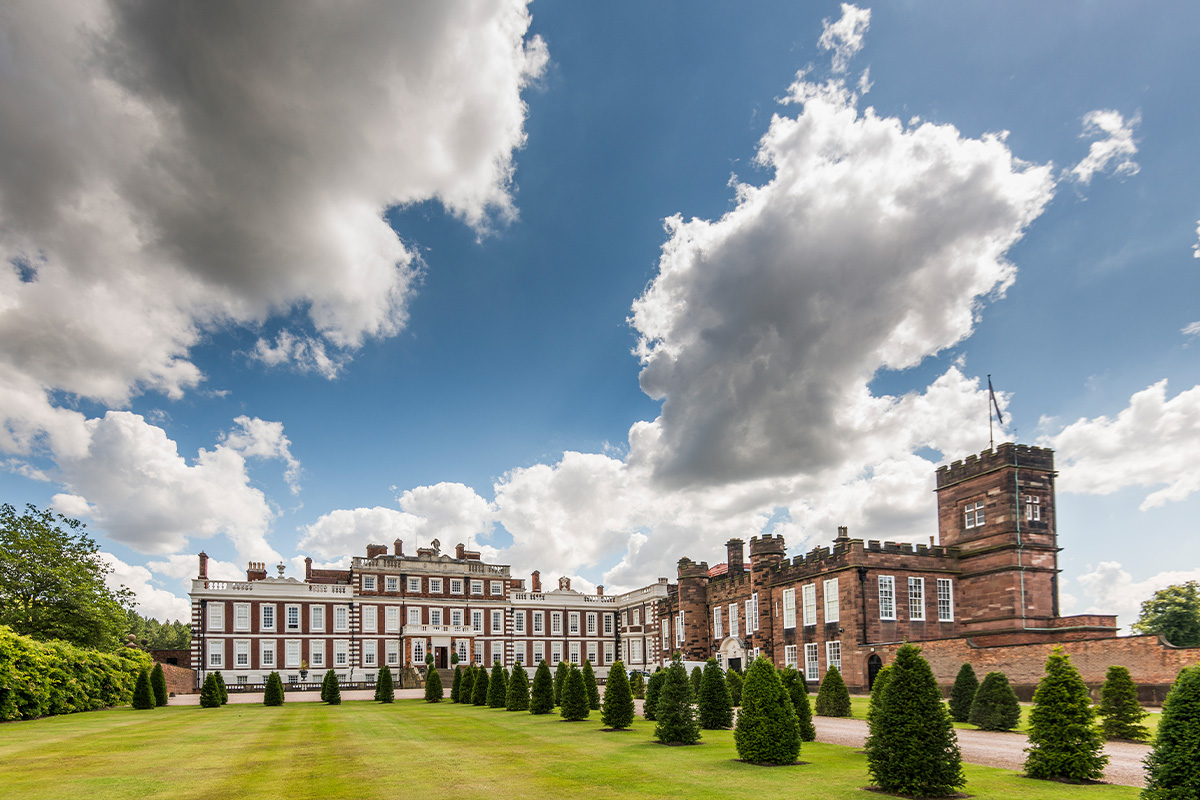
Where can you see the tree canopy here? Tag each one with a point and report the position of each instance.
(1174, 614)
(155, 635)
(52, 581)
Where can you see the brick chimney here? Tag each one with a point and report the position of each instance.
(460, 551)
(376, 550)
(307, 569)
(735, 559)
(398, 547)
(600, 591)
(203, 566)
(256, 571)
(535, 582)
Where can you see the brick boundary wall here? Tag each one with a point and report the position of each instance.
(180, 680)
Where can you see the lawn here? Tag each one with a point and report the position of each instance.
(368, 750)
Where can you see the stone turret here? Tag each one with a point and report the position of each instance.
(693, 605)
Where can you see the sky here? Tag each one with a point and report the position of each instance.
(593, 287)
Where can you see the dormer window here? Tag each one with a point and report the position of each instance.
(974, 515)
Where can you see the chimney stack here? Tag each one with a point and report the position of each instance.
(398, 547)
(256, 571)
(735, 557)
(460, 551)
(307, 569)
(600, 591)
(203, 566)
(376, 550)
(535, 582)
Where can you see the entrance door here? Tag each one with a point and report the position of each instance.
(874, 664)
(441, 657)
(736, 664)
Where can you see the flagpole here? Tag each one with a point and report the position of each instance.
(991, 437)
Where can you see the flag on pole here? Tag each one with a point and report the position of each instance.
(992, 392)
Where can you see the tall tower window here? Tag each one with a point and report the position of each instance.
(1033, 508)
(974, 515)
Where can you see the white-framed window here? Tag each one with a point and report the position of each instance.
(368, 583)
(556, 652)
(368, 652)
(752, 613)
(591, 652)
(241, 679)
(435, 585)
(832, 605)
(216, 616)
(520, 650)
(637, 617)
(733, 619)
(241, 616)
(609, 652)
(291, 653)
(292, 618)
(539, 652)
(497, 621)
(456, 586)
(666, 632)
(916, 599)
(833, 655)
(391, 619)
(414, 585)
(556, 623)
(809, 593)
(574, 650)
(341, 618)
(789, 608)
(266, 653)
(538, 623)
(789, 655)
(316, 619)
(591, 624)
(973, 515)
(497, 653)
(679, 629)
(418, 648)
(635, 651)
(519, 622)
(887, 597)
(414, 615)
(476, 587)
(718, 630)
(316, 652)
(461, 645)
(435, 616)
(391, 649)
(456, 617)
(478, 652)
(608, 624)
(241, 653)
(477, 621)
(497, 588)
(393, 583)
(266, 617)
(216, 652)
(812, 664)
(573, 622)
(1033, 508)
(945, 590)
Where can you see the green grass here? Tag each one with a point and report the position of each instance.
(367, 750)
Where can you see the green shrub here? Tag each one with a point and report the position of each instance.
(767, 731)
(574, 706)
(158, 682)
(560, 677)
(797, 690)
(210, 695)
(995, 707)
(221, 687)
(734, 679)
(1063, 740)
(333, 693)
(653, 690)
(714, 703)
(479, 690)
(877, 689)
(617, 710)
(143, 695)
(1120, 713)
(517, 698)
(696, 678)
(324, 686)
(273, 696)
(456, 685)
(497, 694)
(385, 687)
(589, 685)
(963, 693)
(541, 694)
(833, 698)
(466, 692)
(912, 748)
(637, 686)
(1173, 766)
(675, 717)
(433, 687)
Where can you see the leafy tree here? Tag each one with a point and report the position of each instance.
(52, 581)
(796, 688)
(617, 711)
(1174, 614)
(877, 689)
(158, 682)
(155, 635)
(653, 690)
(333, 693)
(560, 678)
(1063, 740)
(674, 713)
(385, 687)
(1173, 766)
(734, 679)
(143, 695)
(518, 690)
(637, 686)
(479, 690)
(497, 695)
(833, 698)
(1120, 713)
(456, 685)
(273, 696)
(589, 685)
(767, 731)
(912, 748)
(714, 703)
(541, 695)
(697, 677)
(963, 693)
(221, 686)
(466, 692)
(995, 707)
(433, 687)
(575, 705)
(210, 695)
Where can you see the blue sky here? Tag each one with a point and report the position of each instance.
(595, 287)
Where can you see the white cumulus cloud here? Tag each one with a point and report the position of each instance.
(1112, 590)
(151, 599)
(1113, 149)
(845, 37)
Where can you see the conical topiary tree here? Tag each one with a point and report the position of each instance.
(541, 693)
(385, 687)
(325, 686)
(517, 698)
(333, 692)
(714, 704)
(653, 690)
(995, 707)
(767, 731)
(833, 698)
(589, 686)
(637, 686)
(674, 715)
(479, 690)
(158, 683)
(617, 710)
(877, 689)
(221, 687)
(433, 687)
(143, 694)
(456, 685)
(466, 692)
(912, 748)
(574, 706)
(1173, 766)
(696, 677)
(1063, 740)
(963, 693)
(560, 678)
(273, 696)
(1120, 713)
(497, 688)
(734, 679)
(210, 695)
(793, 683)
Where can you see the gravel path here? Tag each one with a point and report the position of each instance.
(991, 749)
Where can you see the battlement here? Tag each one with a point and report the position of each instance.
(690, 569)
(767, 545)
(1005, 455)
